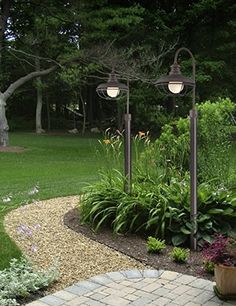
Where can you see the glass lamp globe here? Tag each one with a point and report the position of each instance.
(113, 91)
(175, 87)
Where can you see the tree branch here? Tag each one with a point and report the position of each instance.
(21, 59)
(25, 79)
(49, 60)
(10, 90)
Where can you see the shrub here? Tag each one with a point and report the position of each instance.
(179, 255)
(214, 139)
(155, 245)
(172, 148)
(19, 280)
(221, 251)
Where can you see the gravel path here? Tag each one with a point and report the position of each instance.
(39, 231)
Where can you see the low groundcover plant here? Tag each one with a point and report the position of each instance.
(179, 255)
(20, 279)
(155, 245)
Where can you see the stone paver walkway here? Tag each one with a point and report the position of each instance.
(137, 288)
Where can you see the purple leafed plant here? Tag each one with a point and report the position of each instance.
(221, 251)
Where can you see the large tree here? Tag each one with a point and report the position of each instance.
(36, 35)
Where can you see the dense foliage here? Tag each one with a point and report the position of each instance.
(159, 203)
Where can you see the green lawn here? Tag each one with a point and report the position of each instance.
(60, 165)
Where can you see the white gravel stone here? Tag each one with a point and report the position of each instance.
(79, 258)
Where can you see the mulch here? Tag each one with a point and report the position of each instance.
(135, 247)
(13, 149)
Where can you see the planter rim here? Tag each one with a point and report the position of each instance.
(225, 267)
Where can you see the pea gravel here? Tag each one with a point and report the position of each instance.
(39, 231)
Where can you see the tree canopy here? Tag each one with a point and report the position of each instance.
(138, 39)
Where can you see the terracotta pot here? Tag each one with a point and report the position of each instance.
(225, 278)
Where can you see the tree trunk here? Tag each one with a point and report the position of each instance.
(48, 113)
(39, 106)
(3, 123)
(84, 113)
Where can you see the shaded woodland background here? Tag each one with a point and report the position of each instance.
(137, 38)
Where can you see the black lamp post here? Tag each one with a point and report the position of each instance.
(177, 84)
(113, 90)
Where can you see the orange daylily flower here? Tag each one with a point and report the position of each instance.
(106, 141)
(141, 134)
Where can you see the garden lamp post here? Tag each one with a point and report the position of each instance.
(177, 84)
(113, 90)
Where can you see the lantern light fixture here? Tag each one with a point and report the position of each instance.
(113, 89)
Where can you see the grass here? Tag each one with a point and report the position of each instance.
(59, 165)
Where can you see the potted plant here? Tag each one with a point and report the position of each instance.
(222, 252)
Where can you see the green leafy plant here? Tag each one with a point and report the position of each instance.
(179, 255)
(214, 141)
(99, 203)
(159, 208)
(160, 200)
(209, 266)
(155, 245)
(221, 251)
(19, 280)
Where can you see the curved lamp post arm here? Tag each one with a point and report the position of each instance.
(193, 69)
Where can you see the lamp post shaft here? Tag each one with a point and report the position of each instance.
(193, 176)
(128, 153)
(193, 165)
(127, 147)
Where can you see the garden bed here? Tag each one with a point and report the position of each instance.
(135, 246)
